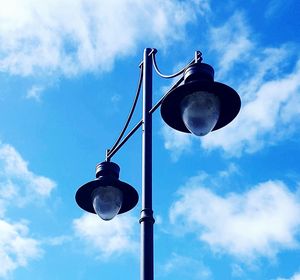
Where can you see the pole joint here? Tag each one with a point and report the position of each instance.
(147, 216)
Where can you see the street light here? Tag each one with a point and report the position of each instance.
(107, 196)
(195, 104)
(200, 104)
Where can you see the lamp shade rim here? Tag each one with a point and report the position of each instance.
(84, 193)
(230, 103)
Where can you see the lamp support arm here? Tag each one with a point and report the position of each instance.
(110, 153)
(151, 61)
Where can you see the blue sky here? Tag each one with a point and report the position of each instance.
(227, 205)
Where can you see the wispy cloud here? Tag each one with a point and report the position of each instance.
(275, 8)
(57, 240)
(107, 239)
(269, 116)
(176, 142)
(296, 276)
(257, 223)
(44, 37)
(185, 268)
(268, 81)
(35, 93)
(16, 248)
(18, 187)
(231, 41)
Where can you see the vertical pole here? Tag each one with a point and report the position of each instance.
(147, 220)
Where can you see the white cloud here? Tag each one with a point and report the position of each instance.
(16, 248)
(57, 240)
(267, 80)
(273, 8)
(237, 270)
(294, 277)
(231, 41)
(277, 8)
(185, 268)
(107, 238)
(176, 142)
(158, 219)
(116, 98)
(35, 92)
(265, 65)
(259, 222)
(272, 114)
(231, 169)
(19, 185)
(43, 36)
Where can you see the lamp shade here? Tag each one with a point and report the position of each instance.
(106, 196)
(200, 104)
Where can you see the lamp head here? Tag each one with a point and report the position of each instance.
(106, 196)
(200, 104)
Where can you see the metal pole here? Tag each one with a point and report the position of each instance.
(147, 220)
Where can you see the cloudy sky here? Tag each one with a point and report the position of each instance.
(227, 205)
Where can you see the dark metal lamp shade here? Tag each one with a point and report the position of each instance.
(199, 77)
(107, 174)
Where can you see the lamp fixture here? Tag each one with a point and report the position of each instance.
(200, 104)
(106, 196)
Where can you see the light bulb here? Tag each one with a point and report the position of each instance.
(107, 202)
(200, 112)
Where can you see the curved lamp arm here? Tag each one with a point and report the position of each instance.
(119, 142)
(198, 57)
(108, 156)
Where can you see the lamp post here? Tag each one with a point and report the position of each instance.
(195, 104)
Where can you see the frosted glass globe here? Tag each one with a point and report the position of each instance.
(200, 112)
(107, 202)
